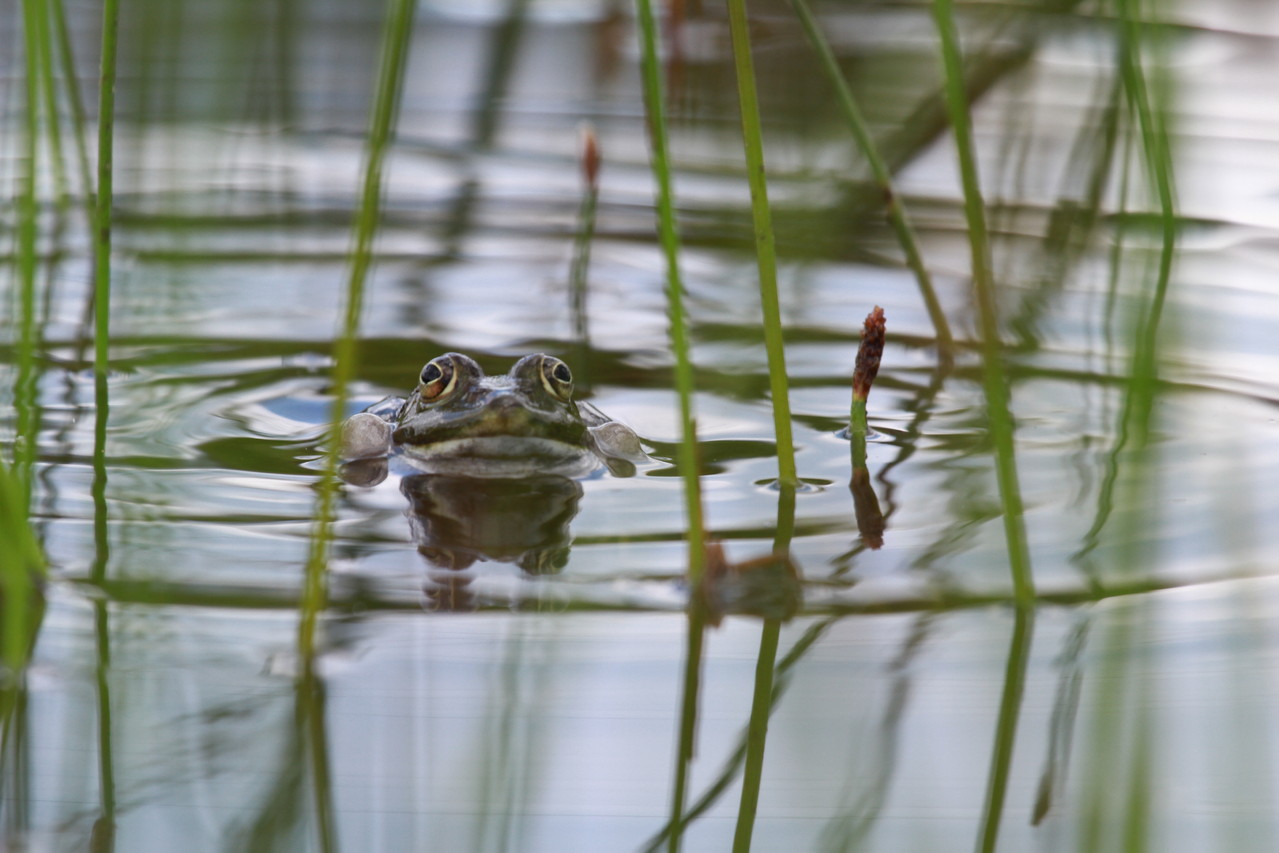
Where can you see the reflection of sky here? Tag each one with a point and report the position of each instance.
(574, 715)
(561, 727)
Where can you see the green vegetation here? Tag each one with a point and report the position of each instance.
(882, 177)
(765, 250)
(668, 239)
(998, 414)
(386, 101)
(974, 463)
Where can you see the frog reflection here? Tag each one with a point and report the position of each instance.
(492, 460)
(458, 521)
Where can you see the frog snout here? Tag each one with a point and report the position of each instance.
(503, 401)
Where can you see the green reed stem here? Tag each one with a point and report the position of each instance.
(78, 122)
(102, 215)
(668, 237)
(882, 177)
(28, 211)
(49, 91)
(390, 84)
(1156, 149)
(21, 562)
(686, 455)
(857, 427)
(765, 249)
(995, 382)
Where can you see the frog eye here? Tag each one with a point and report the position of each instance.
(557, 378)
(438, 379)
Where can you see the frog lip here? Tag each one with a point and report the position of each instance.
(502, 456)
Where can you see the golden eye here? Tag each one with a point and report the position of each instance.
(557, 378)
(437, 379)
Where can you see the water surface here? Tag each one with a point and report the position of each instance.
(489, 706)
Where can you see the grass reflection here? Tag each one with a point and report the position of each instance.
(953, 438)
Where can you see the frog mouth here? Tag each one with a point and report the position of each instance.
(501, 456)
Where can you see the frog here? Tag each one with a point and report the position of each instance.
(459, 421)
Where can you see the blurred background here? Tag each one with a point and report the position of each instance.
(512, 680)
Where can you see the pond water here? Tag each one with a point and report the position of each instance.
(502, 668)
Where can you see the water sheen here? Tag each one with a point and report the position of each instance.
(501, 664)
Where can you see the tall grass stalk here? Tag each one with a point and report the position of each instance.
(102, 211)
(104, 827)
(1156, 150)
(21, 564)
(882, 177)
(668, 238)
(393, 59)
(686, 455)
(1123, 714)
(50, 93)
(21, 560)
(1153, 143)
(765, 249)
(67, 60)
(1000, 421)
(28, 212)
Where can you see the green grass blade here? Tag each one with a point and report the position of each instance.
(390, 84)
(50, 94)
(21, 566)
(686, 456)
(1000, 421)
(67, 58)
(28, 211)
(102, 215)
(1156, 151)
(765, 249)
(668, 238)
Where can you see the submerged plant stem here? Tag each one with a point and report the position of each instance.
(765, 249)
(757, 734)
(1006, 728)
(995, 383)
